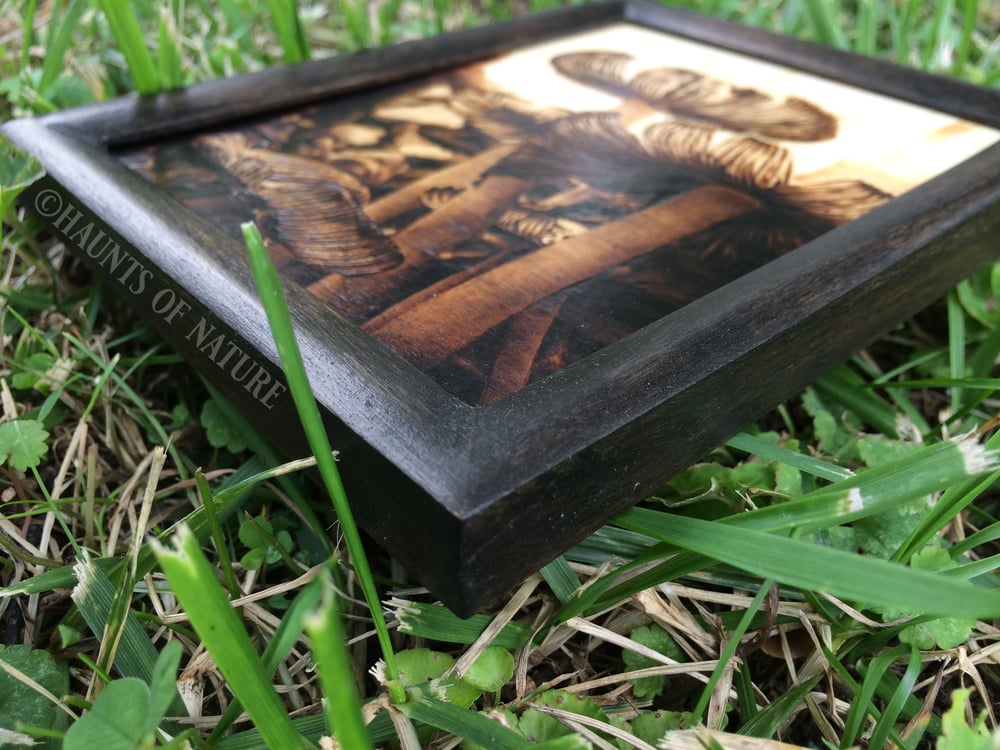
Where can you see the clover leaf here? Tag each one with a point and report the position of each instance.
(22, 443)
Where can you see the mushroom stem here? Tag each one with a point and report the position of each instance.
(468, 215)
(511, 370)
(460, 177)
(440, 321)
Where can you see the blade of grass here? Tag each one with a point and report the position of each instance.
(915, 362)
(561, 579)
(866, 27)
(745, 693)
(440, 10)
(298, 383)
(357, 23)
(979, 568)
(58, 38)
(125, 27)
(732, 643)
(441, 624)
(886, 724)
(96, 598)
(983, 388)
(825, 24)
(909, 420)
(984, 384)
(958, 496)
(930, 469)
(333, 664)
(950, 504)
(168, 53)
(58, 578)
(609, 543)
(28, 23)
(54, 509)
(847, 389)
(215, 529)
(970, 15)
(311, 727)
(891, 485)
(808, 464)
(285, 14)
(862, 701)
(95, 595)
(388, 13)
(193, 581)
(925, 471)
(861, 705)
(472, 726)
(122, 601)
(807, 566)
(767, 721)
(937, 40)
(292, 625)
(980, 364)
(904, 36)
(956, 344)
(984, 536)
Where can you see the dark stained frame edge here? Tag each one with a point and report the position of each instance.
(471, 498)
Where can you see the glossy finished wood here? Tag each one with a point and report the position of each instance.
(474, 497)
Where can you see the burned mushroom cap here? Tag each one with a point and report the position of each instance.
(791, 213)
(753, 163)
(603, 70)
(596, 149)
(318, 209)
(539, 226)
(698, 96)
(671, 157)
(837, 201)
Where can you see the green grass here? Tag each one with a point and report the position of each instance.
(876, 525)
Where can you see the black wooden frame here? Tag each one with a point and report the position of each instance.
(472, 499)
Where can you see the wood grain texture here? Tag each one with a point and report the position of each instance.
(471, 499)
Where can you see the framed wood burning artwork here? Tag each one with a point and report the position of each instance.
(537, 268)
